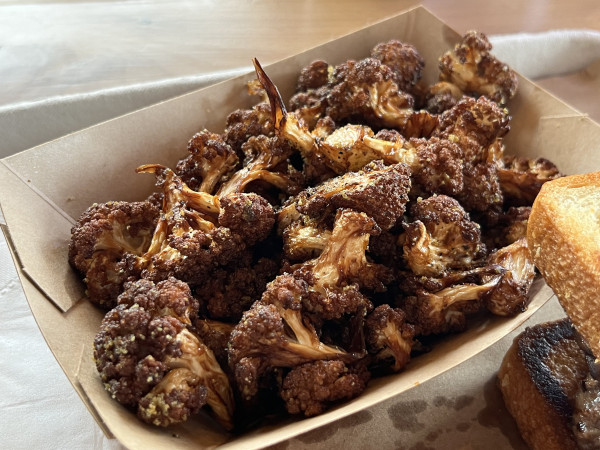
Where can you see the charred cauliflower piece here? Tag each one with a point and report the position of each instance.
(522, 178)
(272, 335)
(475, 125)
(198, 232)
(446, 310)
(341, 150)
(304, 239)
(229, 291)
(245, 123)
(210, 159)
(379, 191)
(267, 160)
(436, 164)
(150, 359)
(389, 337)
(278, 332)
(309, 103)
(104, 238)
(366, 91)
(331, 283)
(472, 68)
(511, 295)
(404, 60)
(441, 238)
(311, 388)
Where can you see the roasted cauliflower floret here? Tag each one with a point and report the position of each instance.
(314, 76)
(304, 239)
(511, 295)
(210, 159)
(389, 337)
(441, 238)
(330, 284)
(522, 178)
(103, 240)
(446, 311)
(198, 232)
(472, 68)
(366, 91)
(379, 191)
(270, 336)
(475, 125)
(311, 388)
(231, 290)
(266, 160)
(150, 359)
(404, 60)
(244, 123)
(436, 164)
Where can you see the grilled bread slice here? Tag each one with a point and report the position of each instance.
(563, 235)
(539, 379)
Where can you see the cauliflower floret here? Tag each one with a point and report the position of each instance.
(379, 191)
(198, 232)
(522, 178)
(389, 337)
(312, 387)
(270, 336)
(103, 241)
(366, 90)
(474, 70)
(231, 290)
(209, 161)
(441, 238)
(150, 359)
(404, 60)
(244, 123)
(267, 160)
(511, 295)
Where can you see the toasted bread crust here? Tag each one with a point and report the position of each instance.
(563, 235)
(539, 378)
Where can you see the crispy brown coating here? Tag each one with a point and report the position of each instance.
(482, 191)
(244, 123)
(389, 337)
(405, 61)
(472, 68)
(522, 178)
(474, 124)
(379, 191)
(313, 76)
(439, 165)
(102, 242)
(228, 292)
(312, 387)
(210, 159)
(441, 238)
(248, 216)
(366, 91)
(170, 297)
(148, 358)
